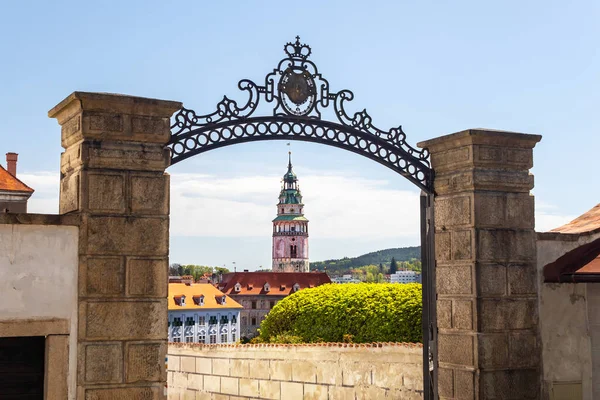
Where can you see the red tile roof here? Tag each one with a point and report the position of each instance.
(588, 222)
(10, 183)
(579, 265)
(281, 283)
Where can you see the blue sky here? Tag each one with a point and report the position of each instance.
(433, 67)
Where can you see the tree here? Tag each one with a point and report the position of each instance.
(175, 269)
(221, 270)
(393, 266)
(381, 270)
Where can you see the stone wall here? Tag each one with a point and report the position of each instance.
(320, 372)
(567, 315)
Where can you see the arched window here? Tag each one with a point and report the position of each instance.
(293, 251)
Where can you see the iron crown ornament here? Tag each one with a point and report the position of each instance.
(298, 94)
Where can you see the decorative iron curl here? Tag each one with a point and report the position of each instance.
(230, 123)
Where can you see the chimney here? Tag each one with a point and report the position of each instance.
(11, 163)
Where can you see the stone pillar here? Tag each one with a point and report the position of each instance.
(487, 310)
(112, 175)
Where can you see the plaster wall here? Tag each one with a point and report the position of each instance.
(38, 278)
(565, 329)
(288, 372)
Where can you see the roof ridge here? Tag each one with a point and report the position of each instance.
(4, 171)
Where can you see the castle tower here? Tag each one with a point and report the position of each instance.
(290, 228)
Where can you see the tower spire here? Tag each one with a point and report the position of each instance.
(290, 160)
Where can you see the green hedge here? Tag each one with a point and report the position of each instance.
(359, 313)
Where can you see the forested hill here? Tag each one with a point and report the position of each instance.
(344, 265)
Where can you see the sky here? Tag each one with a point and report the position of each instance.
(433, 67)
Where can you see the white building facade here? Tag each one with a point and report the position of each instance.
(200, 313)
(405, 277)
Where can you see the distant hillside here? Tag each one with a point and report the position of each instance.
(344, 265)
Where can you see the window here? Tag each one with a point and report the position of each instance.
(201, 320)
(177, 321)
(293, 249)
(224, 320)
(253, 320)
(271, 304)
(223, 300)
(188, 329)
(233, 338)
(212, 320)
(234, 319)
(296, 287)
(213, 338)
(201, 300)
(254, 304)
(202, 337)
(267, 287)
(223, 337)
(293, 229)
(237, 287)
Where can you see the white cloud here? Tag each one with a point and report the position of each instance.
(46, 185)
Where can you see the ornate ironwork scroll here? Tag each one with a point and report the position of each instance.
(298, 93)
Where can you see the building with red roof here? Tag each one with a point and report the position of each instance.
(14, 194)
(258, 292)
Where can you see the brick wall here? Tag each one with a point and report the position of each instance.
(282, 372)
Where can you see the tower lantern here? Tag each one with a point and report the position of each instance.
(290, 228)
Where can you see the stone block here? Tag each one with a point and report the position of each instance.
(493, 350)
(462, 314)
(464, 387)
(249, 387)
(522, 279)
(451, 159)
(145, 362)
(150, 194)
(329, 373)
(212, 383)
(125, 156)
(174, 363)
(188, 364)
(356, 374)
(456, 349)
(507, 314)
(203, 365)
(341, 393)
(454, 279)
(491, 280)
(444, 314)
(446, 382)
(123, 320)
(220, 366)
(442, 246)
(462, 245)
(280, 370)
(69, 193)
(511, 384)
(259, 369)
(269, 389)
(504, 210)
(230, 385)
(106, 193)
(524, 351)
(147, 277)
(315, 392)
(389, 375)
(504, 246)
(103, 362)
(292, 391)
(370, 392)
(304, 371)
(104, 276)
(180, 380)
(453, 211)
(129, 393)
(57, 367)
(239, 368)
(128, 236)
(196, 382)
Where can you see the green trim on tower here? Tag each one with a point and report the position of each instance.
(290, 218)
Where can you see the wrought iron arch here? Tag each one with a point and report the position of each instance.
(299, 94)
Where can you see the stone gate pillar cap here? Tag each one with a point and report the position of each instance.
(110, 102)
(481, 136)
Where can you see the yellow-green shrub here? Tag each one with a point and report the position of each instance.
(364, 312)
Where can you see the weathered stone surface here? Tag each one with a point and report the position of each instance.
(446, 382)
(145, 362)
(522, 279)
(69, 193)
(292, 391)
(113, 320)
(281, 370)
(203, 366)
(453, 211)
(57, 367)
(147, 277)
(220, 366)
(456, 349)
(524, 350)
(103, 363)
(260, 369)
(269, 389)
(106, 193)
(212, 383)
(462, 314)
(509, 384)
(132, 393)
(464, 387)
(492, 280)
(493, 350)
(455, 279)
(504, 210)
(304, 371)
(104, 276)
(462, 245)
(507, 314)
(315, 392)
(150, 194)
(230, 385)
(442, 246)
(249, 387)
(128, 236)
(506, 245)
(356, 374)
(342, 393)
(444, 313)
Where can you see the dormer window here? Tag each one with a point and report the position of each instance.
(199, 300)
(237, 287)
(182, 301)
(223, 300)
(282, 288)
(267, 287)
(296, 287)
